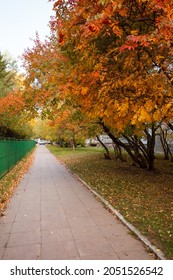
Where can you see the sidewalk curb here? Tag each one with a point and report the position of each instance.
(160, 255)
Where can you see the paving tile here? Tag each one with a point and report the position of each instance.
(50, 200)
(93, 245)
(105, 256)
(47, 193)
(28, 209)
(29, 252)
(115, 229)
(8, 218)
(61, 250)
(53, 223)
(5, 228)
(26, 226)
(68, 197)
(76, 211)
(91, 202)
(13, 204)
(31, 195)
(27, 216)
(75, 221)
(54, 211)
(29, 204)
(97, 211)
(86, 232)
(2, 249)
(134, 255)
(24, 238)
(125, 243)
(56, 235)
(79, 188)
(69, 200)
(4, 239)
(82, 191)
(103, 219)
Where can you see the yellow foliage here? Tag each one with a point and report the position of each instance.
(84, 90)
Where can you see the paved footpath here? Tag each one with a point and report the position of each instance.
(52, 215)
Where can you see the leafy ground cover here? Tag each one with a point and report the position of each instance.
(10, 181)
(144, 198)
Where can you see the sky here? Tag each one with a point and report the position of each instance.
(19, 22)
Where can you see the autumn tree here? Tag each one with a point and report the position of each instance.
(49, 92)
(131, 63)
(13, 117)
(113, 60)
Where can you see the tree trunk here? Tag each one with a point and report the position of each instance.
(118, 152)
(139, 162)
(73, 142)
(136, 146)
(150, 147)
(170, 153)
(107, 154)
(164, 146)
(170, 126)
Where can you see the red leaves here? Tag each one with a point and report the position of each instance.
(92, 27)
(61, 37)
(106, 21)
(128, 47)
(58, 3)
(134, 41)
(159, 4)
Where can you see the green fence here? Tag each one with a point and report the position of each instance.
(11, 151)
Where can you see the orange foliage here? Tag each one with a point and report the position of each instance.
(12, 104)
(113, 59)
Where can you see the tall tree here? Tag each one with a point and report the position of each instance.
(113, 59)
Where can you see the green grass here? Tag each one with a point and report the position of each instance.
(144, 198)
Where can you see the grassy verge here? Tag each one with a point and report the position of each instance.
(10, 181)
(144, 198)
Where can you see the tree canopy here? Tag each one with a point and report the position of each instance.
(114, 58)
(112, 62)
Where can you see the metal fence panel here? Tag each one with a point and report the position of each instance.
(11, 151)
